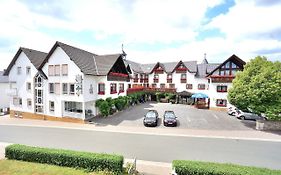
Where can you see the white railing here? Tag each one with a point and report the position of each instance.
(12, 92)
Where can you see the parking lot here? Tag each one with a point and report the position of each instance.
(188, 117)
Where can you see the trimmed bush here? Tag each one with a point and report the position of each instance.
(184, 167)
(67, 158)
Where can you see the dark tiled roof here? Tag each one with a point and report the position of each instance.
(136, 67)
(147, 68)
(89, 63)
(191, 65)
(35, 57)
(170, 66)
(211, 67)
(3, 78)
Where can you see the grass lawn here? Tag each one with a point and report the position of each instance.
(12, 167)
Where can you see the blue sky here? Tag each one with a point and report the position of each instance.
(151, 31)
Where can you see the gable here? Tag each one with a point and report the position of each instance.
(229, 67)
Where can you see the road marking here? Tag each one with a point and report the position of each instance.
(148, 133)
(215, 116)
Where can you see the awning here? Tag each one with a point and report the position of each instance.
(184, 93)
(199, 95)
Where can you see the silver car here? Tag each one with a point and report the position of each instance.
(247, 115)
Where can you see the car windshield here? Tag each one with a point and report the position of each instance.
(169, 115)
(150, 115)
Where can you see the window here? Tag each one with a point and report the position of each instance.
(121, 87)
(51, 106)
(188, 86)
(28, 86)
(57, 88)
(20, 101)
(156, 78)
(201, 86)
(51, 88)
(15, 101)
(221, 102)
(101, 88)
(28, 70)
(113, 88)
(221, 88)
(57, 70)
(169, 78)
(183, 78)
(172, 86)
(51, 70)
(64, 69)
(71, 106)
(71, 89)
(28, 102)
(162, 86)
(154, 85)
(18, 70)
(64, 88)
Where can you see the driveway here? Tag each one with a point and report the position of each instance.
(188, 117)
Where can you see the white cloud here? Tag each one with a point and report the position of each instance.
(248, 27)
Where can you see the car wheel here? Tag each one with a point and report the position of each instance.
(242, 118)
(233, 113)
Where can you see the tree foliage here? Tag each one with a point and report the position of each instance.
(258, 88)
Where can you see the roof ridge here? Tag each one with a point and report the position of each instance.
(61, 43)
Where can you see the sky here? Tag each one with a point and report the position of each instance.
(150, 30)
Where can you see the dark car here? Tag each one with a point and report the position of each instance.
(169, 118)
(150, 118)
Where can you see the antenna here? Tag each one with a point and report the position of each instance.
(123, 52)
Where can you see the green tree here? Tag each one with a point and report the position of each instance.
(258, 87)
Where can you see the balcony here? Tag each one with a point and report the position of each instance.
(153, 89)
(150, 89)
(222, 78)
(183, 80)
(116, 76)
(12, 92)
(134, 89)
(181, 70)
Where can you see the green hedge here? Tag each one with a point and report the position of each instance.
(184, 167)
(75, 159)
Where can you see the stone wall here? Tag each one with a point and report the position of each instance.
(264, 125)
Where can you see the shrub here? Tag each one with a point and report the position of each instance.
(184, 167)
(104, 108)
(74, 159)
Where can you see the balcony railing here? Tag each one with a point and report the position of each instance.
(222, 78)
(183, 80)
(150, 89)
(181, 70)
(12, 92)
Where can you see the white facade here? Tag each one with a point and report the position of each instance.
(19, 77)
(4, 99)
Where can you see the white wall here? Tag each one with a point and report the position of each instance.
(60, 57)
(214, 95)
(21, 81)
(4, 98)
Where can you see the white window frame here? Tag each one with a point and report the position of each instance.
(57, 70)
(51, 107)
(18, 70)
(51, 91)
(64, 69)
(28, 70)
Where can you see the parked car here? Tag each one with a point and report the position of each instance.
(169, 118)
(247, 115)
(232, 110)
(150, 118)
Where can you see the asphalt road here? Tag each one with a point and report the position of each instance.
(149, 147)
(188, 117)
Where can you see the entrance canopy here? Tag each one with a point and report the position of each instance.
(184, 93)
(199, 95)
